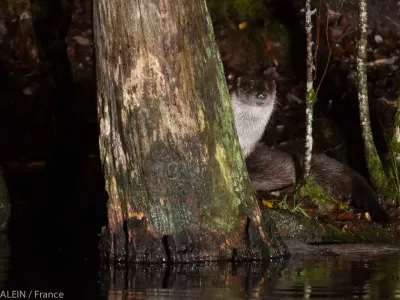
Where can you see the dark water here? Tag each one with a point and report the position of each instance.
(329, 277)
(322, 278)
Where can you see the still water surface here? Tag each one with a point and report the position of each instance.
(323, 277)
(320, 278)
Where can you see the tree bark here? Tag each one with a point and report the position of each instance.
(178, 188)
(310, 94)
(376, 171)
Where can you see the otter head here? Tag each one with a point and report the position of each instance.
(255, 90)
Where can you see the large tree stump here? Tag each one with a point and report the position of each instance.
(178, 188)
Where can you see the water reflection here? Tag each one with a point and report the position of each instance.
(320, 278)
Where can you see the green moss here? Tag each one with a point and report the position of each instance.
(335, 235)
(225, 129)
(369, 234)
(325, 202)
(310, 189)
(386, 181)
(312, 96)
(283, 204)
(227, 194)
(393, 169)
(208, 51)
(375, 166)
(376, 235)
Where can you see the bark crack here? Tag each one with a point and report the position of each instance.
(142, 27)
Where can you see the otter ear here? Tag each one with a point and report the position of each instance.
(270, 86)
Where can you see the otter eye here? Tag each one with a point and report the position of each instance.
(239, 81)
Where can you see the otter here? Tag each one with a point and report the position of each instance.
(253, 101)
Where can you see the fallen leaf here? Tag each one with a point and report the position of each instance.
(242, 25)
(345, 216)
(267, 203)
(309, 211)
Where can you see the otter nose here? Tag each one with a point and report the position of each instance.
(260, 95)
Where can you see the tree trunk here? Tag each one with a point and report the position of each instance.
(377, 173)
(310, 93)
(178, 188)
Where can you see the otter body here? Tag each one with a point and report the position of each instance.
(253, 102)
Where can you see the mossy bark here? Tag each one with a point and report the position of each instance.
(177, 184)
(395, 142)
(394, 155)
(377, 173)
(310, 94)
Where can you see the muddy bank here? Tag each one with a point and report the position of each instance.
(348, 250)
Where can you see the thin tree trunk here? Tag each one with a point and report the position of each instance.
(178, 188)
(376, 171)
(310, 95)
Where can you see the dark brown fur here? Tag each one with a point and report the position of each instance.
(345, 184)
(253, 101)
(271, 170)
